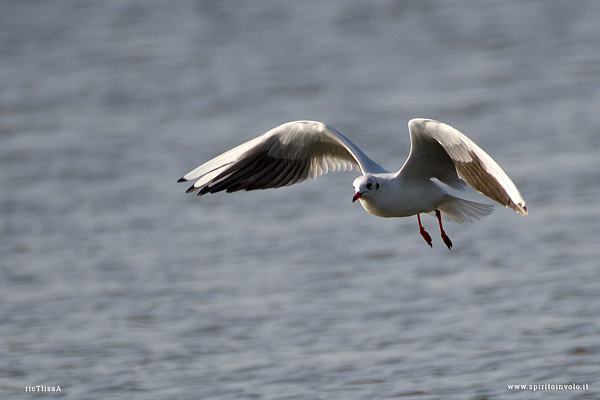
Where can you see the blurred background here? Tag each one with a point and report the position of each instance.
(116, 284)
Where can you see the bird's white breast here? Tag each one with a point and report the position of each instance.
(397, 198)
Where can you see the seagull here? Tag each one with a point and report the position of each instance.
(440, 158)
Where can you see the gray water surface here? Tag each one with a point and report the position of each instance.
(115, 284)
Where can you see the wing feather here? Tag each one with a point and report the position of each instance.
(287, 154)
(442, 152)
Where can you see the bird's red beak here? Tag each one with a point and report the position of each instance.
(357, 196)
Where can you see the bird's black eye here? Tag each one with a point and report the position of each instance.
(369, 186)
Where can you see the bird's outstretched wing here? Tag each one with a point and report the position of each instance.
(285, 155)
(442, 152)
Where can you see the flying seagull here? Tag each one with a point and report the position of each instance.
(294, 151)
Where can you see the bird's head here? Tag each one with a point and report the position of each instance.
(364, 186)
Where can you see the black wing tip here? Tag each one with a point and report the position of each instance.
(523, 210)
(191, 189)
(182, 180)
(520, 208)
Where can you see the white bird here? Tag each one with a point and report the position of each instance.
(294, 151)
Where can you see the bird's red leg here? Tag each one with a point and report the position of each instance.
(423, 232)
(445, 237)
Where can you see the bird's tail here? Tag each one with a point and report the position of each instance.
(455, 209)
